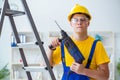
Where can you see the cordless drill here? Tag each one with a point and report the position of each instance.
(71, 47)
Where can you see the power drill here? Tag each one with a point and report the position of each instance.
(70, 45)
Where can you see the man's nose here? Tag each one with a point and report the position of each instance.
(79, 22)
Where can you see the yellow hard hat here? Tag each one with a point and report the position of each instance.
(79, 9)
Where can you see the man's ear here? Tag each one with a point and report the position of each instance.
(88, 23)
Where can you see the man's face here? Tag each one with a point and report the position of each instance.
(79, 22)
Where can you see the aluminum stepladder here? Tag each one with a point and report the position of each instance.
(5, 11)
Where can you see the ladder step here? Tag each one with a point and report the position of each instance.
(13, 12)
(27, 45)
(35, 68)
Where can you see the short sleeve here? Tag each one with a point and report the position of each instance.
(101, 54)
(56, 57)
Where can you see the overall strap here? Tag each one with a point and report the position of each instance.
(91, 54)
(63, 54)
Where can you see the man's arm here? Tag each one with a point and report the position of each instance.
(49, 55)
(55, 43)
(102, 72)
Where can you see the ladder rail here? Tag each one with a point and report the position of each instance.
(2, 14)
(15, 32)
(20, 49)
(3, 11)
(38, 38)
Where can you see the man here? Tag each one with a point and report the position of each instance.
(79, 18)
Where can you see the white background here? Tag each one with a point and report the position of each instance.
(105, 17)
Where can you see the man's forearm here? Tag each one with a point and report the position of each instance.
(96, 74)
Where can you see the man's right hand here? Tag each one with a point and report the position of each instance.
(54, 43)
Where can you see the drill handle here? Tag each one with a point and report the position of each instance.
(51, 46)
(80, 61)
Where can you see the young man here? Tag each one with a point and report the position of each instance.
(79, 19)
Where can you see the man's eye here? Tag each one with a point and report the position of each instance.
(74, 20)
(82, 19)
